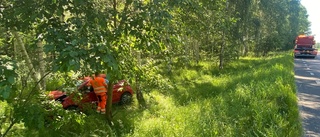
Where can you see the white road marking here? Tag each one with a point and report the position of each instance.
(311, 73)
(318, 82)
(308, 68)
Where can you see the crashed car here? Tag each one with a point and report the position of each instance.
(122, 94)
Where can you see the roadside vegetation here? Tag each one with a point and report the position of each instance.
(250, 97)
(197, 67)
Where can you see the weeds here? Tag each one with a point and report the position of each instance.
(250, 97)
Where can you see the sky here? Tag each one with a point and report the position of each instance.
(313, 10)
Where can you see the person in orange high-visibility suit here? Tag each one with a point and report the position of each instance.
(100, 89)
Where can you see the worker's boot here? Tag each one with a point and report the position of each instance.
(103, 111)
(98, 109)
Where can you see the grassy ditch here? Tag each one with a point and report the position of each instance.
(251, 97)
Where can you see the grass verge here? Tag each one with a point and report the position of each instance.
(251, 97)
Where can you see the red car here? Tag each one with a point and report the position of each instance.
(122, 94)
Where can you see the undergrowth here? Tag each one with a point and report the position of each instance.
(250, 97)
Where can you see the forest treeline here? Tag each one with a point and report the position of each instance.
(127, 38)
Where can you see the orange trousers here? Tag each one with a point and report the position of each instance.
(102, 102)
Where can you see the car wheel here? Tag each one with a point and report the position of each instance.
(126, 98)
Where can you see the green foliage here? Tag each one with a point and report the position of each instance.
(268, 44)
(74, 123)
(7, 78)
(3, 113)
(47, 118)
(129, 39)
(154, 79)
(244, 99)
(62, 80)
(6, 112)
(54, 82)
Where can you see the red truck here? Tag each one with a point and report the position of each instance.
(305, 46)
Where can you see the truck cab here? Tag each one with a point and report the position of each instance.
(305, 46)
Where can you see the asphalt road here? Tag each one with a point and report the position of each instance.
(307, 75)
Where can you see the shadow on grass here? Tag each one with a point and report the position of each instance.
(198, 91)
(260, 75)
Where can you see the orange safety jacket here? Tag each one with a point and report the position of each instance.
(98, 84)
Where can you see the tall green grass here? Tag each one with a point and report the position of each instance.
(250, 97)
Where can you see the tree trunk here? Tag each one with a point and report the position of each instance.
(109, 100)
(221, 57)
(223, 45)
(25, 54)
(168, 58)
(140, 97)
(187, 51)
(112, 79)
(41, 63)
(196, 48)
(245, 47)
(169, 65)
(15, 49)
